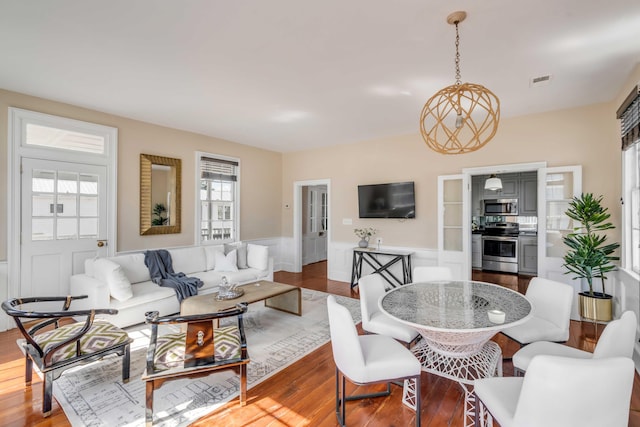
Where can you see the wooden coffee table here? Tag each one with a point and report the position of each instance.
(275, 295)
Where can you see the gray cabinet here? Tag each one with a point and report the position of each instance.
(528, 199)
(510, 187)
(528, 255)
(476, 251)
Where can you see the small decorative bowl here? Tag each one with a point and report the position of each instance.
(496, 316)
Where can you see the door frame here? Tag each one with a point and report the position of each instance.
(497, 169)
(298, 211)
(16, 150)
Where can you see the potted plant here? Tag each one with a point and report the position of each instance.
(364, 234)
(590, 256)
(158, 215)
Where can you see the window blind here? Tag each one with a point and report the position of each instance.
(218, 169)
(629, 114)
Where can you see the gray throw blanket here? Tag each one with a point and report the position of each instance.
(161, 272)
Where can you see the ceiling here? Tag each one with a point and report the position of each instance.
(289, 75)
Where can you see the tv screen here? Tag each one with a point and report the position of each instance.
(394, 200)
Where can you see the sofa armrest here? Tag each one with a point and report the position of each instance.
(270, 270)
(97, 292)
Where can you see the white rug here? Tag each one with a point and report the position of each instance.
(94, 395)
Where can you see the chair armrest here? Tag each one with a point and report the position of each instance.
(153, 318)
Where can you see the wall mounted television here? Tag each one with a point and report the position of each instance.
(392, 200)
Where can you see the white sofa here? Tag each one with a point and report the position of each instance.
(123, 282)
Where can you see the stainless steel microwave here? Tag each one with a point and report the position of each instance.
(500, 206)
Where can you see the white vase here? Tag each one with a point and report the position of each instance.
(363, 243)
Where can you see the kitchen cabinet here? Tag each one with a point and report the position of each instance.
(510, 187)
(528, 203)
(528, 255)
(476, 251)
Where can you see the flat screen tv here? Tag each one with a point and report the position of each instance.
(393, 200)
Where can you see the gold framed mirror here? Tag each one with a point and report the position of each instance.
(160, 194)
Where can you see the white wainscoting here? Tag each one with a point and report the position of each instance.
(4, 295)
(627, 297)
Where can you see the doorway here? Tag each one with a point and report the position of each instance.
(311, 222)
(62, 175)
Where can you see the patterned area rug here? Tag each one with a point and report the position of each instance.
(94, 395)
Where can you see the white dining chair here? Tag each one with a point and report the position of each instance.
(372, 287)
(369, 359)
(559, 392)
(551, 304)
(617, 340)
(430, 273)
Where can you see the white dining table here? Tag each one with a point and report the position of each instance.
(456, 320)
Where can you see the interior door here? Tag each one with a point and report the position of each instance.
(556, 188)
(314, 238)
(63, 213)
(454, 228)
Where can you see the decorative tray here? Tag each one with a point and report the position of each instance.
(236, 293)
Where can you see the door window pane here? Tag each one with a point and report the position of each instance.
(45, 136)
(88, 206)
(42, 229)
(67, 205)
(43, 181)
(89, 184)
(67, 182)
(67, 228)
(88, 228)
(42, 204)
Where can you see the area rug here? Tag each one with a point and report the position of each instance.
(94, 394)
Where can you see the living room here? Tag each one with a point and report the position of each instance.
(580, 133)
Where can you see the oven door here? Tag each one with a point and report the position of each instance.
(500, 249)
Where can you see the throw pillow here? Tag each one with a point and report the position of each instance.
(112, 273)
(258, 256)
(241, 254)
(226, 262)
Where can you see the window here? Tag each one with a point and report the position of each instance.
(218, 201)
(629, 113)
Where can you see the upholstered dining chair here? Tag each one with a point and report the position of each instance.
(559, 392)
(369, 359)
(551, 317)
(54, 341)
(617, 340)
(373, 320)
(198, 345)
(429, 273)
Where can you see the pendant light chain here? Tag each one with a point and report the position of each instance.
(458, 77)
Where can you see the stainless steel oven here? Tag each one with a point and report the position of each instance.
(500, 207)
(500, 247)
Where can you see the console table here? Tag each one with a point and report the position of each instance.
(375, 258)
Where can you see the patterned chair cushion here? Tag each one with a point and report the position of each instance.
(170, 347)
(101, 335)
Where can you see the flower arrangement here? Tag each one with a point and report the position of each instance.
(365, 233)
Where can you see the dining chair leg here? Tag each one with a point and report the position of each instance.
(47, 393)
(126, 363)
(28, 371)
(148, 412)
(340, 400)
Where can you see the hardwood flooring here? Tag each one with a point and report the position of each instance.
(304, 393)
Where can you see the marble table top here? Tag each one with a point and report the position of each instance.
(455, 306)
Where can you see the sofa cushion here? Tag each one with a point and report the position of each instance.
(226, 262)
(258, 256)
(133, 266)
(113, 274)
(210, 252)
(145, 292)
(241, 255)
(188, 260)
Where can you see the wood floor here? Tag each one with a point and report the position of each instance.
(304, 393)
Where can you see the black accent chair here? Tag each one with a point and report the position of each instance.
(54, 347)
(200, 349)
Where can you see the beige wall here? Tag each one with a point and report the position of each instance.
(260, 174)
(585, 136)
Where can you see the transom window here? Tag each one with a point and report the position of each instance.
(218, 180)
(63, 139)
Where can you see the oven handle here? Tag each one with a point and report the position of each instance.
(501, 238)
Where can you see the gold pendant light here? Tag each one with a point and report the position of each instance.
(460, 118)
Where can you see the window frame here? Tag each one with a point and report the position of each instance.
(630, 183)
(235, 233)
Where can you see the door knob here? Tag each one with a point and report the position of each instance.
(102, 243)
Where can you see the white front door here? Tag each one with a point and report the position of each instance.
(556, 188)
(454, 229)
(62, 198)
(63, 218)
